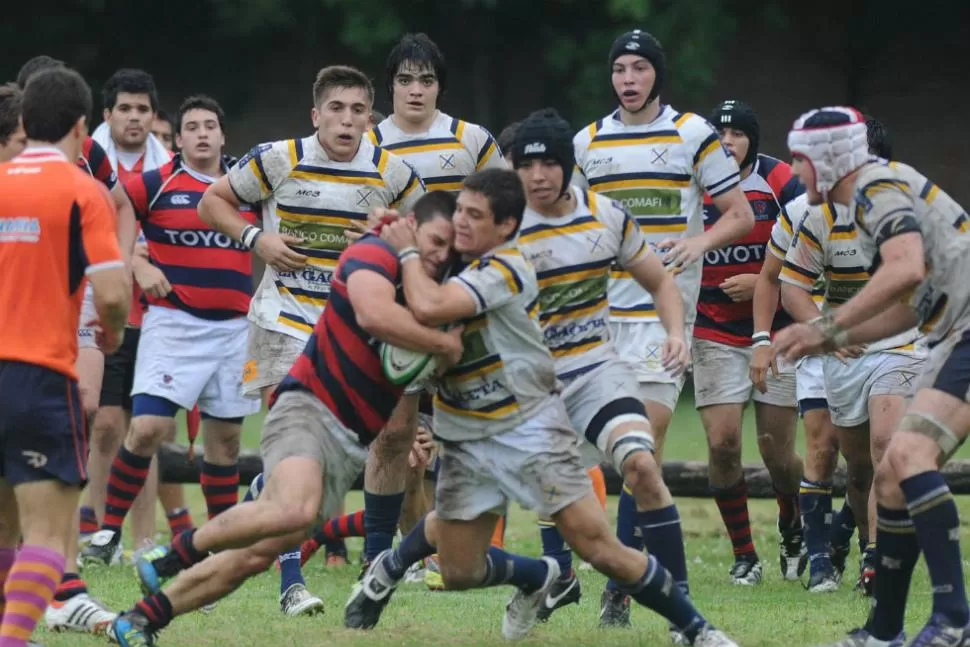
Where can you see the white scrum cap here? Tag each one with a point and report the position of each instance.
(833, 140)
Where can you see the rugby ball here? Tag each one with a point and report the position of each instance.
(403, 366)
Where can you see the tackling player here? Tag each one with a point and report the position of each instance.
(311, 190)
(918, 239)
(505, 433)
(334, 401)
(13, 138)
(658, 163)
(572, 238)
(58, 230)
(724, 335)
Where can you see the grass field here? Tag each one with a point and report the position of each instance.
(774, 613)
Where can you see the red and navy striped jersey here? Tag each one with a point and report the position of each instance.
(770, 185)
(95, 161)
(341, 363)
(211, 274)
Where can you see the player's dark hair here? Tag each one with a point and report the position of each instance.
(163, 115)
(11, 107)
(201, 102)
(130, 81)
(35, 65)
(880, 142)
(340, 76)
(434, 204)
(507, 137)
(54, 100)
(503, 190)
(419, 51)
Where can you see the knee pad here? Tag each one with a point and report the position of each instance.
(927, 425)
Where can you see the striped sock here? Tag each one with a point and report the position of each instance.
(732, 503)
(554, 546)
(157, 609)
(89, 520)
(7, 555)
(129, 472)
(28, 590)
(179, 520)
(71, 585)
(348, 525)
(220, 487)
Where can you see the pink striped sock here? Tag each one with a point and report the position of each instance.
(29, 588)
(7, 555)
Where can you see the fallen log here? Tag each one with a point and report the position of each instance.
(684, 478)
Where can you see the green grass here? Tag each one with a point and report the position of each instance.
(774, 613)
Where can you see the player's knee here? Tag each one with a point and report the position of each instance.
(146, 434)
(252, 562)
(725, 448)
(641, 472)
(295, 517)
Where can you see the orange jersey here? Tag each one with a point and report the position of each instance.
(57, 225)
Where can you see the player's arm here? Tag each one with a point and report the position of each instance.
(804, 263)
(106, 269)
(736, 219)
(126, 225)
(767, 292)
(373, 298)
(433, 303)
(896, 319)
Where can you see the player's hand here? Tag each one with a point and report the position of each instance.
(109, 341)
(676, 357)
(762, 359)
(799, 340)
(275, 251)
(455, 350)
(681, 252)
(423, 446)
(850, 352)
(151, 280)
(740, 288)
(399, 234)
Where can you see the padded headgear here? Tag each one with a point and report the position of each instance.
(833, 140)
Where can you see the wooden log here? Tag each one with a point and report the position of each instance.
(684, 478)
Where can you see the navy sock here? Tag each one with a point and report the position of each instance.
(382, 512)
(252, 492)
(843, 525)
(815, 500)
(898, 554)
(626, 526)
(412, 549)
(665, 540)
(525, 573)
(655, 590)
(336, 547)
(554, 546)
(290, 572)
(937, 523)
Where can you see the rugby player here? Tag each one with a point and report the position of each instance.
(865, 391)
(572, 238)
(658, 163)
(321, 418)
(724, 335)
(505, 432)
(13, 138)
(58, 231)
(164, 129)
(72, 608)
(193, 342)
(918, 239)
(311, 189)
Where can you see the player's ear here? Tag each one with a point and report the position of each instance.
(412, 220)
(315, 117)
(178, 141)
(80, 129)
(105, 114)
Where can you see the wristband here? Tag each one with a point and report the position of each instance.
(761, 334)
(250, 234)
(407, 254)
(758, 343)
(833, 337)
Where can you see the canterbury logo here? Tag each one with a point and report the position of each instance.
(35, 459)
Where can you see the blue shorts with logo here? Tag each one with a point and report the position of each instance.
(43, 435)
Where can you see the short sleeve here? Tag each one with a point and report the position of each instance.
(492, 281)
(372, 254)
(405, 184)
(484, 148)
(258, 173)
(714, 168)
(783, 230)
(99, 164)
(137, 191)
(805, 259)
(885, 207)
(633, 246)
